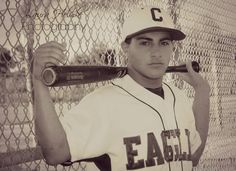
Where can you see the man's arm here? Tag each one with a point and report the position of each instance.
(200, 107)
(201, 111)
(49, 131)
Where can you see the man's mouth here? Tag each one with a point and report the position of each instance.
(157, 64)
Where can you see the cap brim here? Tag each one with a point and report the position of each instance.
(174, 33)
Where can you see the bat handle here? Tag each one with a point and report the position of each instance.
(183, 68)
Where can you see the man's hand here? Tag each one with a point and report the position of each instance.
(194, 79)
(48, 54)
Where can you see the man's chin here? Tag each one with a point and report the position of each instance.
(156, 75)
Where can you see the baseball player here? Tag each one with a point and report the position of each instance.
(137, 122)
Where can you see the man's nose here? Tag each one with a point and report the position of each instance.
(155, 51)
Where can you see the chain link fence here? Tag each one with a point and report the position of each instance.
(91, 31)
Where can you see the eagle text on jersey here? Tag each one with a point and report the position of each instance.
(156, 156)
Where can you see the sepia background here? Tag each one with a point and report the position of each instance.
(91, 31)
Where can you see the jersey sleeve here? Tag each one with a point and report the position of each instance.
(86, 127)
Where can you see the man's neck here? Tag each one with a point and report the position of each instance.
(145, 81)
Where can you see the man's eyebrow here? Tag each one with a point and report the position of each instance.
(165, 38)
(150, 39)
(144, 38)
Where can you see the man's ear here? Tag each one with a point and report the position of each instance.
(125, 47)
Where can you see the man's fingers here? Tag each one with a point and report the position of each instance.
(54, 49)
(53, 53)
(45, 62)
(51, 49)
(54, 44)
(189, 66)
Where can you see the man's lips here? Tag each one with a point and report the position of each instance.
(156, 64)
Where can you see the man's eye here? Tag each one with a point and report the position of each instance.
(165, 43)
(145, 43)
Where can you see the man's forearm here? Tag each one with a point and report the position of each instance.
(50, 133)
(201, 113)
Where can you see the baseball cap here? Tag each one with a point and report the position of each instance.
(147, 19)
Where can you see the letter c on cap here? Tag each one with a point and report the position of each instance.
(154, 12)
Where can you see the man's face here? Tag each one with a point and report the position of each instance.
(149, 55)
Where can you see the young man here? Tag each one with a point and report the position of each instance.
(137, 122)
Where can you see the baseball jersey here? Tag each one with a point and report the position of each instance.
(134, 128)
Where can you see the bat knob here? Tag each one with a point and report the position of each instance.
(48, 76)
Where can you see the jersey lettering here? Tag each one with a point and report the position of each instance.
(131, 153)
(172, 149)
(155, 12)
(154, 151)
(175, 153)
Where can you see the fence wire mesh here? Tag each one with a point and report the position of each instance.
(91, 31)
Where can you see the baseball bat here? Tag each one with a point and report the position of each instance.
(70, 75)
